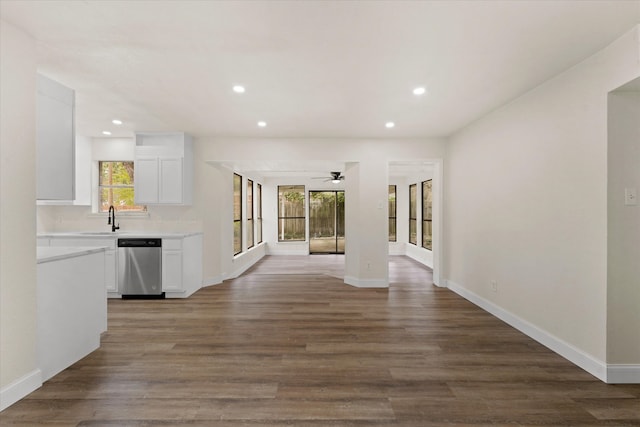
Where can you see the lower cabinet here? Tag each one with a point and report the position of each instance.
(172, 265)
(181, 261)
(111, 271)
(181, 266)
(71, 311)
(110, 256)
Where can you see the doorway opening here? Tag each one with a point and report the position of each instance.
(326, 222)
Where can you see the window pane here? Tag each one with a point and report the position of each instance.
(412, 201)
(427, 200)
(427, 235)
(249, 228)
(291, 229)
(249, 233)
(237, 237)
(259, 200)
(116, 173)
(392, 230)
(392, 213)
(237, 197)
(413, 234)
(115, 187)
(322, 214)
(291, 201)
(120, 198)
(291, 212)
(427, 208)
(259, 213)
(259, 230)
(249, 199)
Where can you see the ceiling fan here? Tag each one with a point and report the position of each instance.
(335, 177)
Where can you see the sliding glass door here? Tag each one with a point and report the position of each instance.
(326, 222)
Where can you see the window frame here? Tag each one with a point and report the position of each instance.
(427, 213)
(413, 213)
(237, 213)
(282, 218)
(393, 213)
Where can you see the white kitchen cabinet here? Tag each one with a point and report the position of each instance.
(146, 181)
(172, 265)
(111, 271)
(181, 265)
(164, 169)
(71, 310)
(55, 141)
(170, 176)
(181, 258)
(110, 256)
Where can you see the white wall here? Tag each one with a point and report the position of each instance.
(623, 273)
(526, 206)
(19, 374)
(417, 252)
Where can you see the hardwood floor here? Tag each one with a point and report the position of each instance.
(286, 344)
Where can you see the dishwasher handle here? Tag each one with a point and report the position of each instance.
(140, 243)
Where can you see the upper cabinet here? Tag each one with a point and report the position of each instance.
(55, 141)
(163, 168)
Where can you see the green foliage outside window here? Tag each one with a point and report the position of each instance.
(116, 187)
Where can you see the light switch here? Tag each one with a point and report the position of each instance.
(630, 197)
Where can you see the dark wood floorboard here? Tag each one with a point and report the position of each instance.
(289, 344)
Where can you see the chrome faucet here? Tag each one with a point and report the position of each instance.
(112, 219)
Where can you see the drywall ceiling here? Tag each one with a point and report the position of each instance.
(329, 69)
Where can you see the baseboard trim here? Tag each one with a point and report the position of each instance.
(623, 374)
(20, 388)
(210, 281)
(366, 283)
(576, 356)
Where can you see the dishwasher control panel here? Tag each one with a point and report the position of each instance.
(139, 243)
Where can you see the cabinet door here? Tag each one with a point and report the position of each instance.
(55, 144)
(110, 276)
(172, 271)
(170, 180)
(146, 180)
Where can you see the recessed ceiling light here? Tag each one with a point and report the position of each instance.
(419, 91)
(238, 89)
(262, 124)
(106, 132)
(389, 125)
(116, 122)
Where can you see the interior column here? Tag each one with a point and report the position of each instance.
(366, 224)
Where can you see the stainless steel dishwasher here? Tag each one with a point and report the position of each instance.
(140, 268)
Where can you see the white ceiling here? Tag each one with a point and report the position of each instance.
(330, 69)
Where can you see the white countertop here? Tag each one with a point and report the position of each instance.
(119, 233)
(55, 253)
